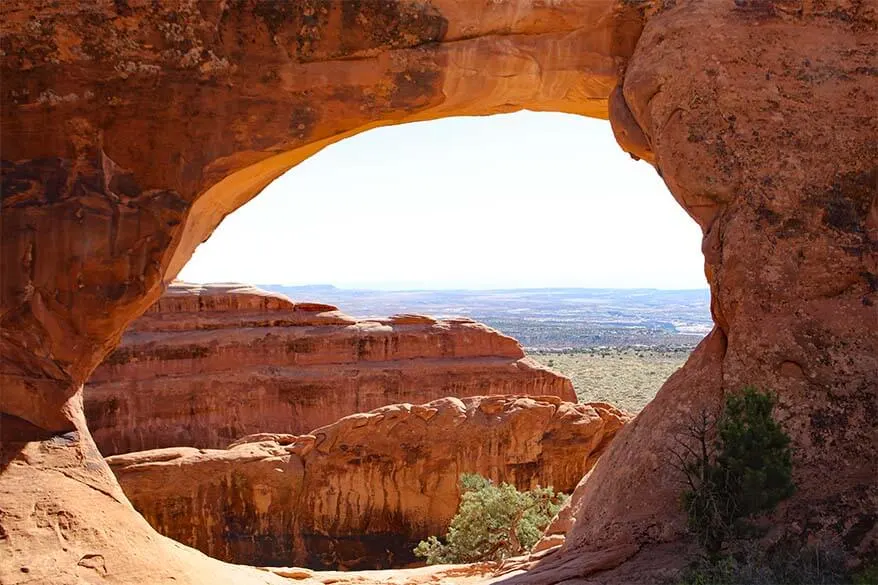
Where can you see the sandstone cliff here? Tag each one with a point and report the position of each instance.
(130, 129)
(209, 364)
(361, 492)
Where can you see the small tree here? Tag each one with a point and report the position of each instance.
(492, 522)
(735, 466)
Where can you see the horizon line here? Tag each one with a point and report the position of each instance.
(488, 289)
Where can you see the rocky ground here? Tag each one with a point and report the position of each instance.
(473, 574)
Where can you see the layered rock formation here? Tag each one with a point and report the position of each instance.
(207, 365)
(130, 129)
(362, 492)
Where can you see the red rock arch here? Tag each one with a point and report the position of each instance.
(131, 128)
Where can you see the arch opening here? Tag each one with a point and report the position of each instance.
(520, 216)
(479, 203)
(137, 185)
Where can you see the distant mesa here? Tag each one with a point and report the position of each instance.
(208, 364)
(304, 287)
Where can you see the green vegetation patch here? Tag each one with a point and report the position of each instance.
(625, 377)
(492, 523)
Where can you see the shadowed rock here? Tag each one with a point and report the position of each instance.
(362, 492)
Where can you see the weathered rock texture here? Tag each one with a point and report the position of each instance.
(473, 574)
(363, 491)
(130, 128)
(207, 365)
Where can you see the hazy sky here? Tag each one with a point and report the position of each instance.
(518, 200)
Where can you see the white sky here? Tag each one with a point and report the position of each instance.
(508, 201)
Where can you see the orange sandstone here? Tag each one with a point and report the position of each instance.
(362, 492)
(209, 364)
(131, 128)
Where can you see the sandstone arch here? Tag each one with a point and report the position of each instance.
(131, 128)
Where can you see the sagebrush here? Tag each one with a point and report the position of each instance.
(493, 522)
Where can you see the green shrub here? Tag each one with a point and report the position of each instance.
(492, 523)
(866, 575)
(736, 466)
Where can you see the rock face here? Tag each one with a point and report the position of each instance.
(207, 365)
(130, 129)
(362, 492)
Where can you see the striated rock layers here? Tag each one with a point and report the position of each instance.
(131, 128)
(207, 365)
(360, 493)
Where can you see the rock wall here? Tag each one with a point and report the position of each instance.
(131, 128)
(770, 143)
(207, 365)
(362, 492)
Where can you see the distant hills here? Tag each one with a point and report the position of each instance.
(544, 318)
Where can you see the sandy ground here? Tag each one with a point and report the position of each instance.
(476, 573)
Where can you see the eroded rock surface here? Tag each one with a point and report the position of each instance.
(474, 574)
(207, 365)
(130, 129)
(362, 492)
(770, 144)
